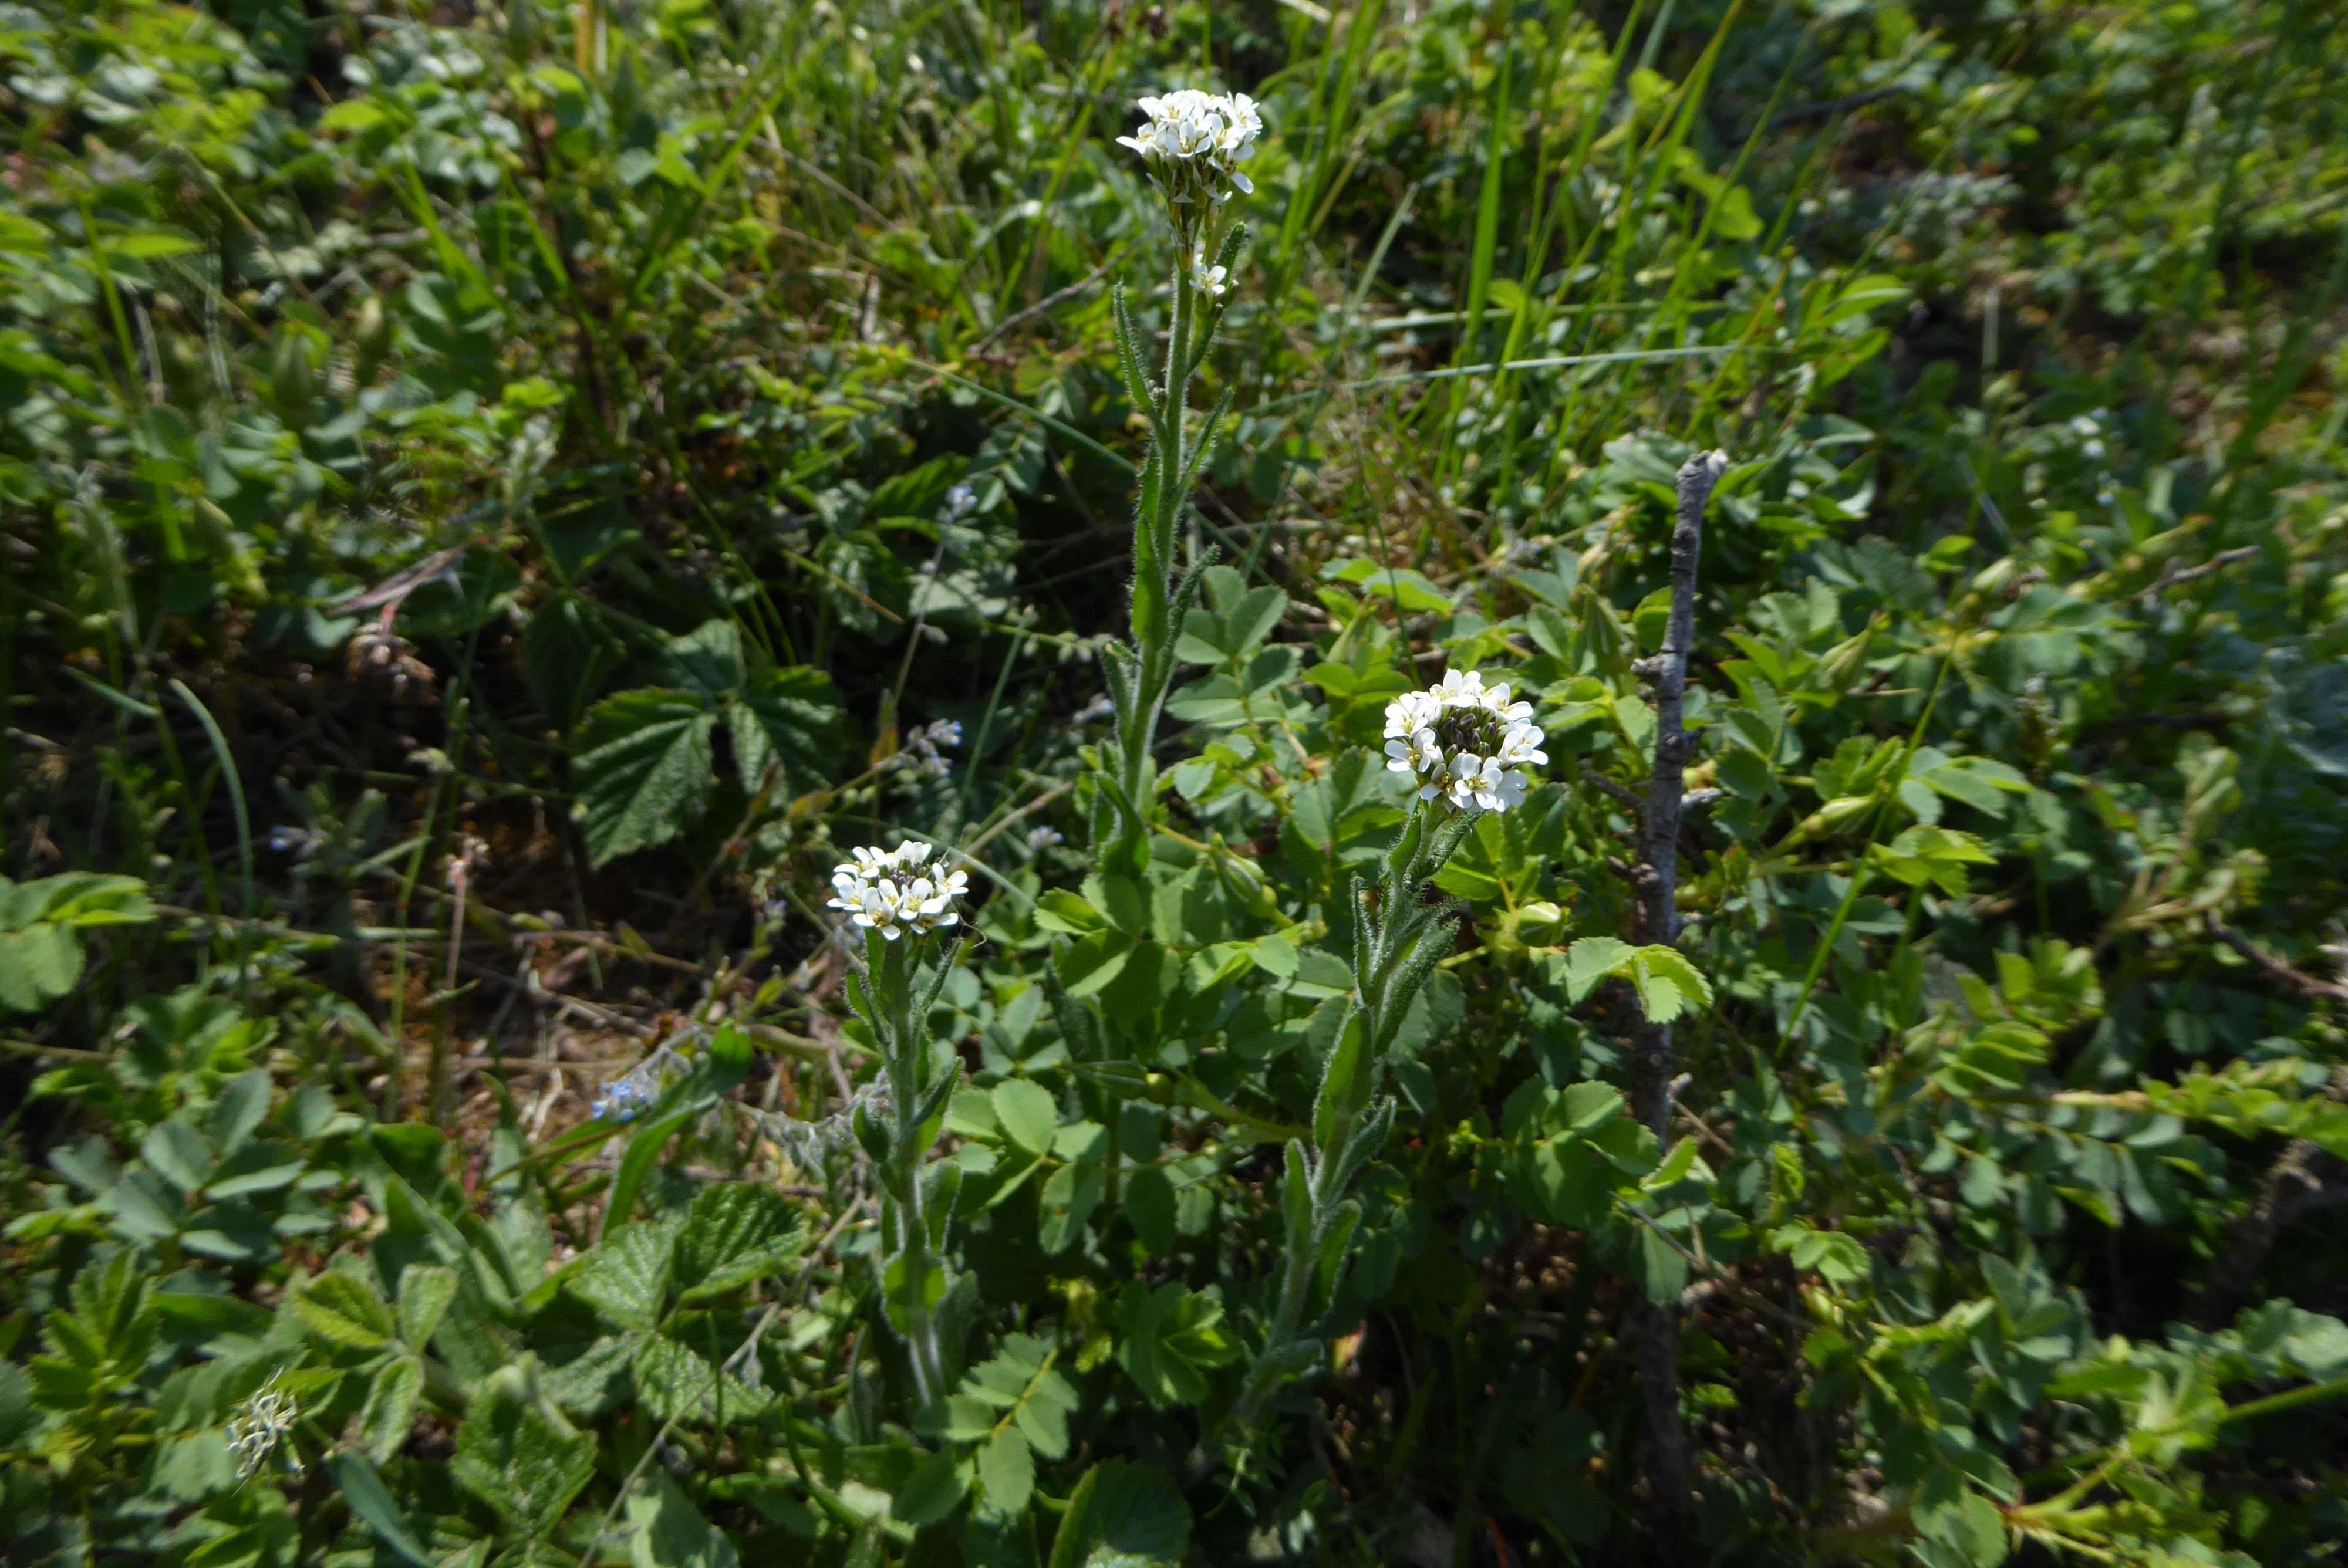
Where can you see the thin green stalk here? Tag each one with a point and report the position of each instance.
(903, 1068)
(986, 719)
(1396, 937)
(235, 783)
(1488, 211)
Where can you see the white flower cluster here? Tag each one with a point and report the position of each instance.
(259, 1425)
(1194, 144)
(1466, 742)
(887, 890)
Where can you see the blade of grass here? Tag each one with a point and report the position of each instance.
(235, 783)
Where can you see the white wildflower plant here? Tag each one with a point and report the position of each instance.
(1194, 143)
(1465, 742)
(896, 892)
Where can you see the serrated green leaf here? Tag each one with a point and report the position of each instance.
(18, 1415)
(1411, 592)
(1149, 1209)
(178, 1153)
(1667, 984)
(371, 1502)
(1006, 1471)
(1838, 1257)
(625, 1276)
(1027, 1115)
(708, 660)
(1086, 966)
(737, 1231)
(786, 719)
(1043, 1416)
(424, 1291)
(1935, 857)
(36, 967)
(1058, 909)
(1123, 1515)
(677, 1380)
(517, 1455)
(390, 1409)
(668, 1532)
(1068, 1200)
(242, 1105)
(1676, 1165)
(1586, 1104)
(1591, 960)
(640, 765)
(566, 654)
(343, 1310)
(957, 1419)
(932, 1491)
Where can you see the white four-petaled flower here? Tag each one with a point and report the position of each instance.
(1465, 741)
(1208, 281)
(1194, 143)
(889, 890)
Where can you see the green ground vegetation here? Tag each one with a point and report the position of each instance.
(498, 500)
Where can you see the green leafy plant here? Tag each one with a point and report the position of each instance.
(1840, 1060)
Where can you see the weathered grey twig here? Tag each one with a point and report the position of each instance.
(1049, 304)
(1607, 786)
(2174, 575)
(1667, 786)
(1654, 1330)
(2274, 968)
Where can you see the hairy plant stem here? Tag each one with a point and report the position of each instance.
(1141, 695)
(1655, 1327)
(910, 1258)
(1397, 937)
